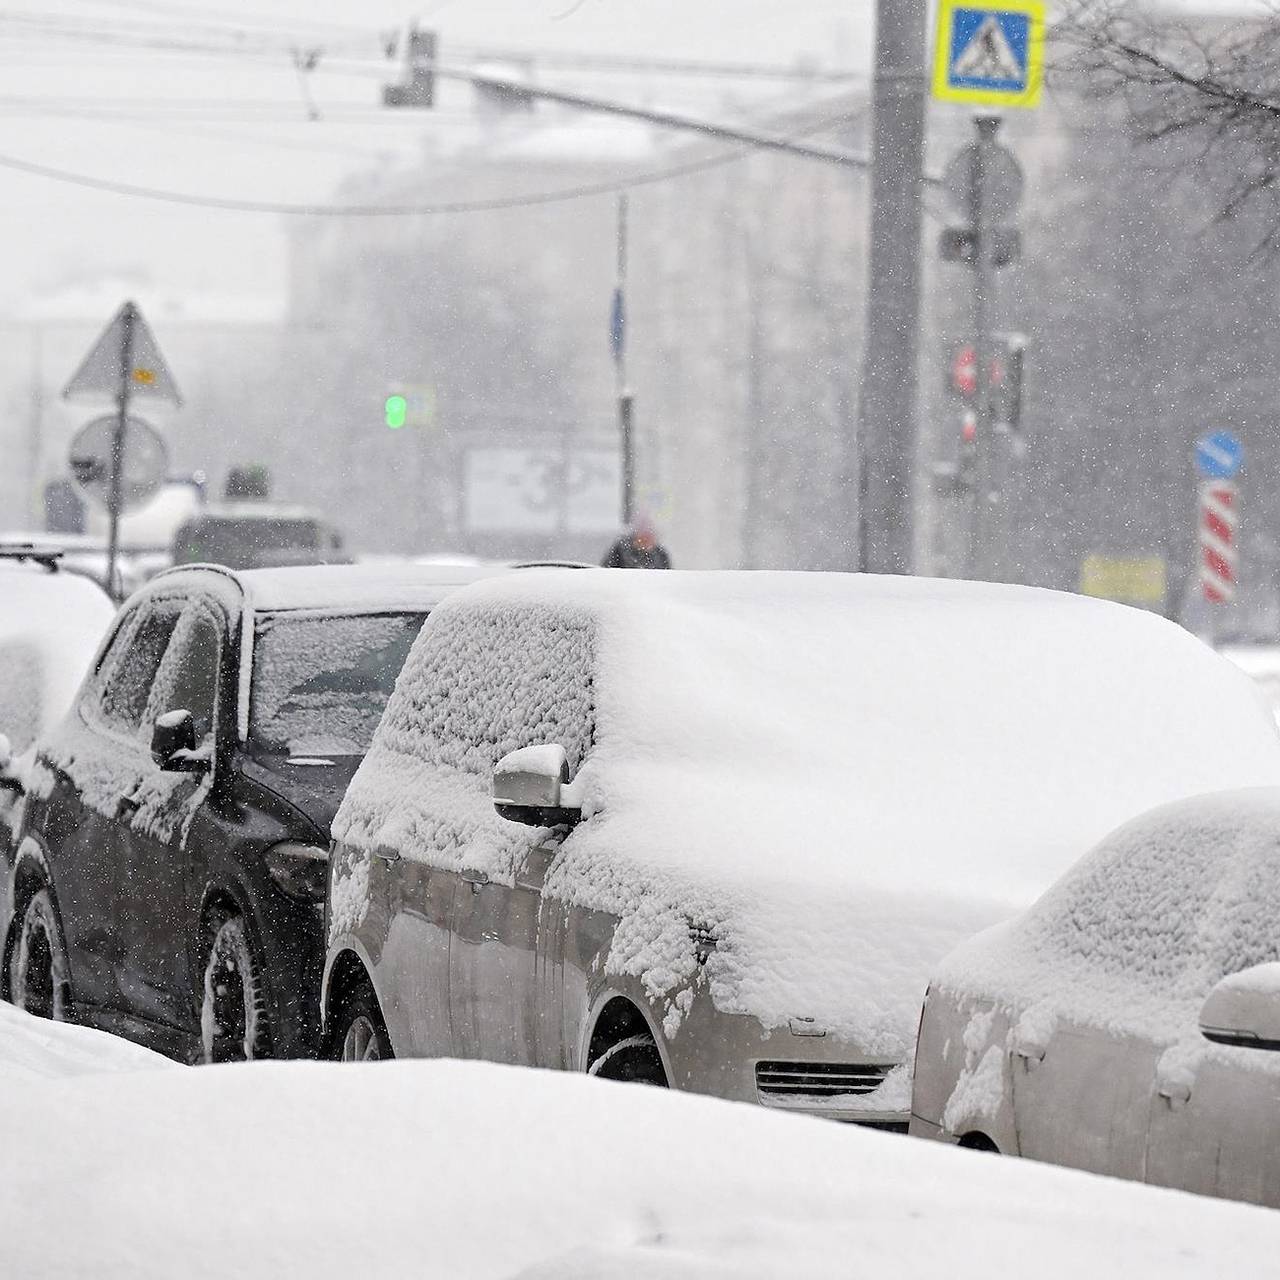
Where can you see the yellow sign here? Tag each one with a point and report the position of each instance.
(1135, 580)
(991, 55)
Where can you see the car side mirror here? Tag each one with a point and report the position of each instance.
(532, 786)
(1244, 1009)
(173, 743)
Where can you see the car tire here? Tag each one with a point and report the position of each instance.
(635, 1059)
(233, 1008)
(38, 973)
(358, 1032)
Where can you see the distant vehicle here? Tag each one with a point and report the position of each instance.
(713, 830)
(1129, 1022)
(51, 623)
(258, 534)
(170, 862)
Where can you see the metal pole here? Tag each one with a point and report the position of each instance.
(114, 492)
(35, 512)
(626, 401)
(886, 439)
(984, 272)
(730, 133)
(752, 512)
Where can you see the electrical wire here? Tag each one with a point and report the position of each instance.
(530, 200)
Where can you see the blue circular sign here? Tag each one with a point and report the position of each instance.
(1219, 455)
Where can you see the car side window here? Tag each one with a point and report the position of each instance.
(130, 667)
(480, 685)
(187, 676)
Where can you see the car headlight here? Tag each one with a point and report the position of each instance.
(301, 870)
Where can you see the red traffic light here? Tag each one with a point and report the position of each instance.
(964, 371)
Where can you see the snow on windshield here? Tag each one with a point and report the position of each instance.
(1134, 936)
(320, 683)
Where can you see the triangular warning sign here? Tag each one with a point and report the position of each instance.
(988, 55)
(105, 371)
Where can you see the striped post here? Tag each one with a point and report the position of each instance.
(1219, 516)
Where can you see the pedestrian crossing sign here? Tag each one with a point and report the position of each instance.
(990, 55)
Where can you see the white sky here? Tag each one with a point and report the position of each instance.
(237, 126)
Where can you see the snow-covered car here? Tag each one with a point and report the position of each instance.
(51, 623)
(1129, 1022)
(713, 830)
(465, 1169)
(169, 867)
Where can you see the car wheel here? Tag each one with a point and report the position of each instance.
(635, 1059)
(38, 979)
(233, 1014)
(359, 1033)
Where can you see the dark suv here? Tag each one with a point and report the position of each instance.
(168, 874)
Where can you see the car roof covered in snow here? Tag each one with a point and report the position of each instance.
(957, 717)
(343, 588)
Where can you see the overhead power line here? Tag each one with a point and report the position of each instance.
(251, 39)
(491, 204)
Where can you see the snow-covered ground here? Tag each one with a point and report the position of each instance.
(473, 1170)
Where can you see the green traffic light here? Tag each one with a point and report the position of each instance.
(396, 409)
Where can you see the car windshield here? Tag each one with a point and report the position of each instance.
(320, 683)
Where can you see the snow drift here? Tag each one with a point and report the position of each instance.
(446, 1169)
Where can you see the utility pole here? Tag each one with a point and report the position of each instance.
(755, 407)
(886, 439)
(116, 483)
(984, 278)
(626, 401)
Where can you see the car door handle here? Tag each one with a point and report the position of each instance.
(475, 879)
(127, 806)
(387, 854)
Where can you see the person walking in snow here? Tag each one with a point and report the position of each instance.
(638, 548)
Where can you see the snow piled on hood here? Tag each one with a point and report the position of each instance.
(839, 775)
(1133, 938)
(438, 1168)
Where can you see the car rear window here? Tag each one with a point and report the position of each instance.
(320, 683)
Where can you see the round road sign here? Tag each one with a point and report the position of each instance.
(1003, 176)
(145, 461)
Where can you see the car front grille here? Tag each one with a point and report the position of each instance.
(779, 1081)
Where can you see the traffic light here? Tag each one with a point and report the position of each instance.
(396, 410)
(1005, 378)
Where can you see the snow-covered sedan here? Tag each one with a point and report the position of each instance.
(713, 830)
(1129, 1022)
